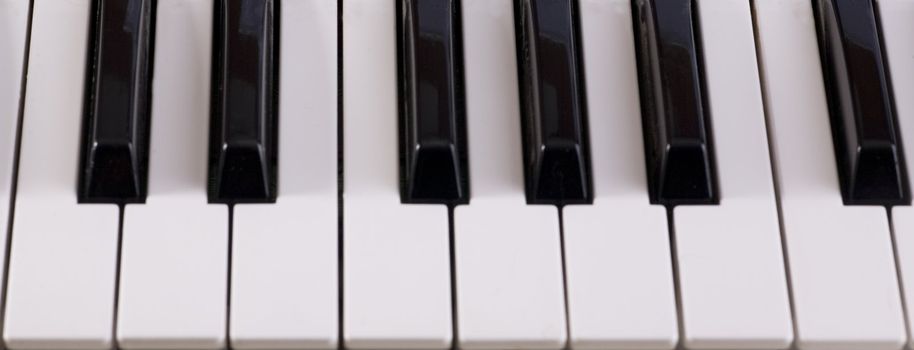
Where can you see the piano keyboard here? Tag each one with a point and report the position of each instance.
(456, 174)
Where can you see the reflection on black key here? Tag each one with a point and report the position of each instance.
(867, 144)
(114, 154)
(243, 129)
(433, 163)
(677, 128)
(556, 151)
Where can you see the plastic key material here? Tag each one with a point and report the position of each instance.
(15, 15)
(677, 128)
(173, 285)
(507, 254)
(732, 278)
(295, 305)
(433, 164)
(621, 229)
(865, 132)
(896, 24)
(60, 291)
(115, 151)
(243, 129)
(553, 108)
(396, 284)
(841, 266)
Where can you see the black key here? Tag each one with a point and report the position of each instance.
(554, 117)
(674, 109)
(243, 128)
(433, 162)
(114, 154)
(866, 140)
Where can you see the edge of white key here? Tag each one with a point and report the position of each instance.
(838, 303)
(612, 304)
(65, 303)
(847, 227)
(284, 260)
(728, 257)
(396, 269)
(392, 279)
(15, 14)
(293, 285)
(895, 16)
(485, 228)
(507, 253)
(188, 242)
(174, 252)
(732, 279)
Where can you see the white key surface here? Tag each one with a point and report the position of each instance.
(509, 281)
(396, 265)
(842, 270)
(15, 13)
(617, 251)
(284, 256)
(732, 281)
(174, 259)
(895, 17)
(64, 255)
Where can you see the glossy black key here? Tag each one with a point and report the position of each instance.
(433, 163)
(243, 128)
(114, 154)
(863, 122)
(553, 114)
(675, 115)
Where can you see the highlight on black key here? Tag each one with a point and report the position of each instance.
(114, 154)
(676, 119)
(553, 108)
(868, 148)
(244, 121)
(432, 115)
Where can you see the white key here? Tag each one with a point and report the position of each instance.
(64, 255)
(16, 14)
(396, 262)
(895, 17)
(732, 281)
(174, 263)
(284, 255)
(508, 254)
(617, 251)
(842, 270)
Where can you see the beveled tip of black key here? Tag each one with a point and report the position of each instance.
(878, 178)
(434, 175)
(687, 176)
(242, 175)
(559, 175)
(112, 175)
